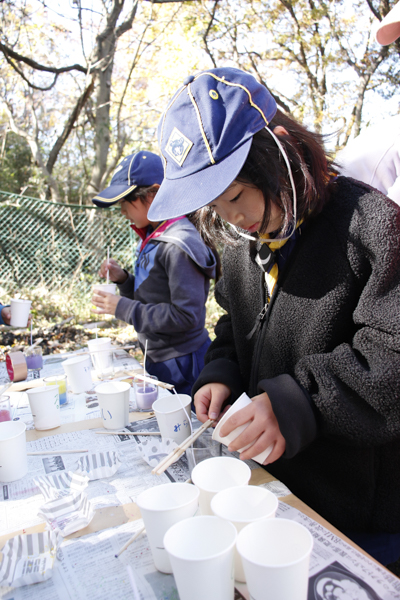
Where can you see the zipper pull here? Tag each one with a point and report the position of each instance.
(259, 320)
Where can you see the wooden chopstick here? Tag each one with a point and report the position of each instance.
(56, 452)
(128, 432)
(129, 542)
(179, 450)
(167, 386)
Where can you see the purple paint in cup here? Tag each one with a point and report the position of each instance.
(146, 393)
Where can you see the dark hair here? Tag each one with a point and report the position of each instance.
(266, 169)
(140, 193)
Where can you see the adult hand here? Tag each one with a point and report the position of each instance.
(6, 314)
(115, 272)
(106, 303)
(209, 399)
(262, 432)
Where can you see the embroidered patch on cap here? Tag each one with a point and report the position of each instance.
(178, 146)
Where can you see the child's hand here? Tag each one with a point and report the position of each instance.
(116, 273)
(261, 433)
(6, 314)
(209, 399)
(106, 303)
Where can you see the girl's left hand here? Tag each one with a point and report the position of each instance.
(261, 433)
(106, 303)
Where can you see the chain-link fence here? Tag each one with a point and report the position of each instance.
(58, 246)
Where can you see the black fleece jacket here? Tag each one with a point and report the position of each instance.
(327, 354)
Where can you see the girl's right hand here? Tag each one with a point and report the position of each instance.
(116, 273)
(209, 399)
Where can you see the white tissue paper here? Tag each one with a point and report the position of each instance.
(28, 558)
(154, 450)
(60, 485)
(99, 465)
(67, 514)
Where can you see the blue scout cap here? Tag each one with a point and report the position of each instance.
(143, 168)
(205, 136)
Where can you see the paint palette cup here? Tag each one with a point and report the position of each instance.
(13, 453)
(78, 372)
(45, 407)
(146, 393)
(102, 357)
(61, 382)
(276, 556)
(5, 409)
(240, 403)
(161, 507)
(216, 474)
(173, 415)
(201, 551)
(243, 505)
(113, 397)
(20, 310)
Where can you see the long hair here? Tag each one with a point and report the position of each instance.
(266, 169)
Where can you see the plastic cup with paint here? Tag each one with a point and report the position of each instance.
(102, 357)
(216, 474)
(34, 358)
(78, 372)
(13, 456)
(201, 551)
(5, 409)
(243, 505)
(61, 382)
(45, 406)
(276, 555)
(173, 415)
(113, 397)
(240, 403)
(20, 310)
(146, 393)
(161, 507)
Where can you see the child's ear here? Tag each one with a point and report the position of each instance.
(279, 130)
(152, 191)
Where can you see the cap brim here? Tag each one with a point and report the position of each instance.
(112, 195)
(177, 197)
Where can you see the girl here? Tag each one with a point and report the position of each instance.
(311, 291)
(165, 298)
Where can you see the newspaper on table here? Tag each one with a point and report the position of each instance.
(28, 559)
(87, 569)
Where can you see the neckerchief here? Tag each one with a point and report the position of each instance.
(146, 233)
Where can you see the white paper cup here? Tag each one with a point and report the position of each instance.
(110, 288)
(243, 505)
(216, 474)
(102, 361)
(240, 403)
(45, 406)
(276, 556)
(78, 371)
(201, 552)
(13, 457)
(113, 397)
(19, 312)
(161, 507)
(171, 418)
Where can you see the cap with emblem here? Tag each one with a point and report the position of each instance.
(205, 136)
(136, 170)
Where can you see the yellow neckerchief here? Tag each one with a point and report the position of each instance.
(272, 272)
